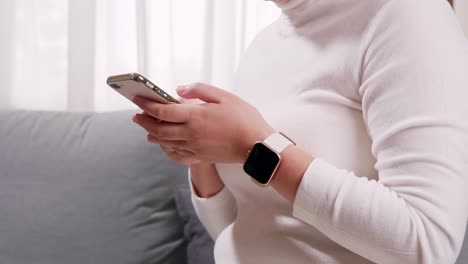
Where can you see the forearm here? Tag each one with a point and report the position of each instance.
(290, 171)
(400, 219)
(363, 215)
(360, 214)
(205, 179)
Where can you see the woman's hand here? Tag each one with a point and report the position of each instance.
(222, 129)
(175, 153)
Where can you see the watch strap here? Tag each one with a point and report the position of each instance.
(278, 142)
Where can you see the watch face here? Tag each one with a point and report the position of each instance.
(261, 163)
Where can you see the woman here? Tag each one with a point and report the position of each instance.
(374, 94)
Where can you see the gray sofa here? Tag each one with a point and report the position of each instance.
(87, 188)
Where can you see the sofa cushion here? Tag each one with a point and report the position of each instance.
(463, 258)
(199, 243)
(86, 188)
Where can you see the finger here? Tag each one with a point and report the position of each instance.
(204, 92)
(191, 159)
(167, 149)
(175, 113)
(189, 101)
(174, 144)
(164, 130)
(185, 153)
(180, 158)
(146, 114)
(172, 148)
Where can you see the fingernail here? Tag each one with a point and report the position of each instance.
(182, 89)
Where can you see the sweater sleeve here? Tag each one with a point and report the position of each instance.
(414, 88)
(216, 212)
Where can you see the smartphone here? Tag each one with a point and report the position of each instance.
(134, 84)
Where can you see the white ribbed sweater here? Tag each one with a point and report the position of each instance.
(377, 90)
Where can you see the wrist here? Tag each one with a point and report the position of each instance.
(202, 165)
(249, 140)
(294, 164)
(205, 179)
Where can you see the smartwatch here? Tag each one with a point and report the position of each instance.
(265, 157)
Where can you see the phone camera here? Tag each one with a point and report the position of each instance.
(115, 86)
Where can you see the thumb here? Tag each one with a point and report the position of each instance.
(189, 101)
(204, 92)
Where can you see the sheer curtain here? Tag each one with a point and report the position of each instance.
(56, 54)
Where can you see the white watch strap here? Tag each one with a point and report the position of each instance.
(278, 142)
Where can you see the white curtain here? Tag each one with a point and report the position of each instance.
(56, 54)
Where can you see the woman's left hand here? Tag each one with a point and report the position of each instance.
(222, 129)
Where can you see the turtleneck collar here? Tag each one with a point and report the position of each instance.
(297, 11)
(291, 4)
